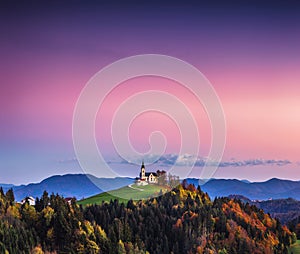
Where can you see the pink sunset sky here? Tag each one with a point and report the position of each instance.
(250, 55)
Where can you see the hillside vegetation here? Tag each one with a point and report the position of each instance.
(184, 220)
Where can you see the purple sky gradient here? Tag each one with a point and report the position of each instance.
(48, 51)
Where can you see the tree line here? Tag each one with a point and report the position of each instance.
(184, 220)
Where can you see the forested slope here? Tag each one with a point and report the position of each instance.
(184, 220)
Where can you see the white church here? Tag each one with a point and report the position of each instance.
(146, 177)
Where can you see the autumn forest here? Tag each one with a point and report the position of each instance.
(184, 220)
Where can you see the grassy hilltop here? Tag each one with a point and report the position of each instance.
(126, 193)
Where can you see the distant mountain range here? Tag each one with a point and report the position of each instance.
(271, 189)
(70, 185)
(80, 186)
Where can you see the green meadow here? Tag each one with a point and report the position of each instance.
(126, 193)
(295, 248)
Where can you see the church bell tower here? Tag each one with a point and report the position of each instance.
(142, 174)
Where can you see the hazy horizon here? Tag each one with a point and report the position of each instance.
(133, 171)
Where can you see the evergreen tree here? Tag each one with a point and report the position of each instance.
(10, 197)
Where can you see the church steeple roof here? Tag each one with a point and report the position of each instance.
(143, 166)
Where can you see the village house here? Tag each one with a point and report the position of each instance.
(30, 200)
